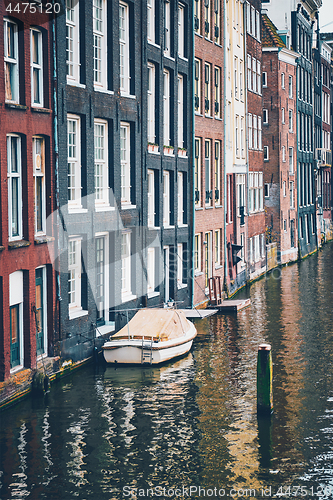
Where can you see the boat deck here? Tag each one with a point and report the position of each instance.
(232, 305)
(199, 313)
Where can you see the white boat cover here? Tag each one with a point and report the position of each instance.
(160, 324)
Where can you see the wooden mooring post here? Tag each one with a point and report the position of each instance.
(264, 380)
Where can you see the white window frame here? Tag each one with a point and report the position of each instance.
(36, 68)
(16, 299)
(217, 83)
(250, 131)
(72, 41)
(74, 159)
(180, 266)
(101, 163)
(197, 86)
(100, 43)
(74, 279)
(258, 77)
(292, 201)
(180, 131)
(217, 22)
(208, 79)
(256, 248)
(166, 198)
(167, 28)
(197, 169)
(283, 118)
(124, 51)
(242, 138)
(217, 161)
(282, 80)
(151, 198)
(197, 16)
(255, 132)
(12, 93)
(291, 120)
(266, 153)
(151, 21)
(265, 115)
(151, 271)
(284, 189)
(283, 154)
(38, 152)
(258, 25)
(208, 32)
(180, 199)
(208, 172)
(267, 186)
(126, 264)
(259, 134)
(254, 75)
(181, 30)
(264, 79)
(290, 87)
(261, 190)
(125, 163)
(106, 272)
(151, 102)
(291, 163)
(166, 108)
(249, 72)
(197, 253)
(217, 247)
(240, 192)
(251, 192)
(237, 141)
(236, 77)
(11, 176)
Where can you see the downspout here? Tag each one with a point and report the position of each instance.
(245, 132)
(224, 149)
(193, 163)
(56, 152)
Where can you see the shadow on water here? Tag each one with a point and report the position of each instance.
(101, 433)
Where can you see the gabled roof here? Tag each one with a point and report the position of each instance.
(270, 37)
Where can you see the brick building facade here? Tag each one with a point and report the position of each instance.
(209, 146)
(27, 188)
(256, 243)
(279, 142)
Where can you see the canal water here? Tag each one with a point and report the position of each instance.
(190, 429)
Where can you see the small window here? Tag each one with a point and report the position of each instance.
(265, 115)
(290, 86)
(282, 80)
(266, 153)
(283, 115)
(266, 190)
(264, 79)
(36, 54)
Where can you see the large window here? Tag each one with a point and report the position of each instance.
(208, 175)
(218, 194)
(14, 180)
(167, 28)
(151, 21)
(217, 34)
(125, 163)
(181, 30)
(197, 253)
(16, 318)
(41, 311)
(74, 161)
(180, 196)
(217, 92)
(151, 198)
(126, 287)
(291, 160)
(197, 15)
(166, 108)
(102, 277)
(207, 19)
(72, 41)
(11, 61)
(207, 89)
(36, 55)
(197, 85)
(166, 198)
(38, 151)
(217, 247)
(197, 171)
(151, 103)
(74, 276)
(101, 163)
(124, 68)
(100, 59)
(256, 193)
(180, 265)
(180, 111)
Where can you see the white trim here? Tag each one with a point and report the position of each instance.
(124, 63)
(101, 173)
(100, 48)
(125, 163)
(151, 102)
(11, 175)
(166, 198)
(166, 108)
(36, 67)
(180, 199)
(74, 158)
(11, 61)
(39, 172)
(72, 41)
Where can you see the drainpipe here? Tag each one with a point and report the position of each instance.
(56, 152)
(193, 156)
(246, 232)
(224, 149)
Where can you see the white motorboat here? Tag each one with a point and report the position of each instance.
(153, 336)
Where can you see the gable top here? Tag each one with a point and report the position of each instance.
(270, 36)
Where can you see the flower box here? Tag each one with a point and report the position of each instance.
(153, 148)
(168, 150)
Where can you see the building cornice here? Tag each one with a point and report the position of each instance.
(312, 5)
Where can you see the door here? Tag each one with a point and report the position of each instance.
(40, 312)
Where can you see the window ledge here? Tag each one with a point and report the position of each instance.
(198, 34)
(182, 225)
(104, 208)
(218, 206)
(208, 40)
(198, 208)
(208, 207)
(77, 210)
(154, 228)
(43, 238)
(219, 119)
(127, 297)
(103, 330)
(16, 369)
(198, 273)
(197, 113)
(168, 227)
(153, 44)
(36, 109)
(73, 83)
(208, 116)
(218, 45)
(103, 91)
(13, 105)
(181, 285)
(127, 206)
(182, 58)
(151, 295)
(218, 266)
(169, 57)
(129, 96)
(18, 244)
(77, 313)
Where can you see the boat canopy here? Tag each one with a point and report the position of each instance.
(158, 324)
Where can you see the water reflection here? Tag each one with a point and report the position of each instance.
(192, 422)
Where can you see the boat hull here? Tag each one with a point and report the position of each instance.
(131, 351)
